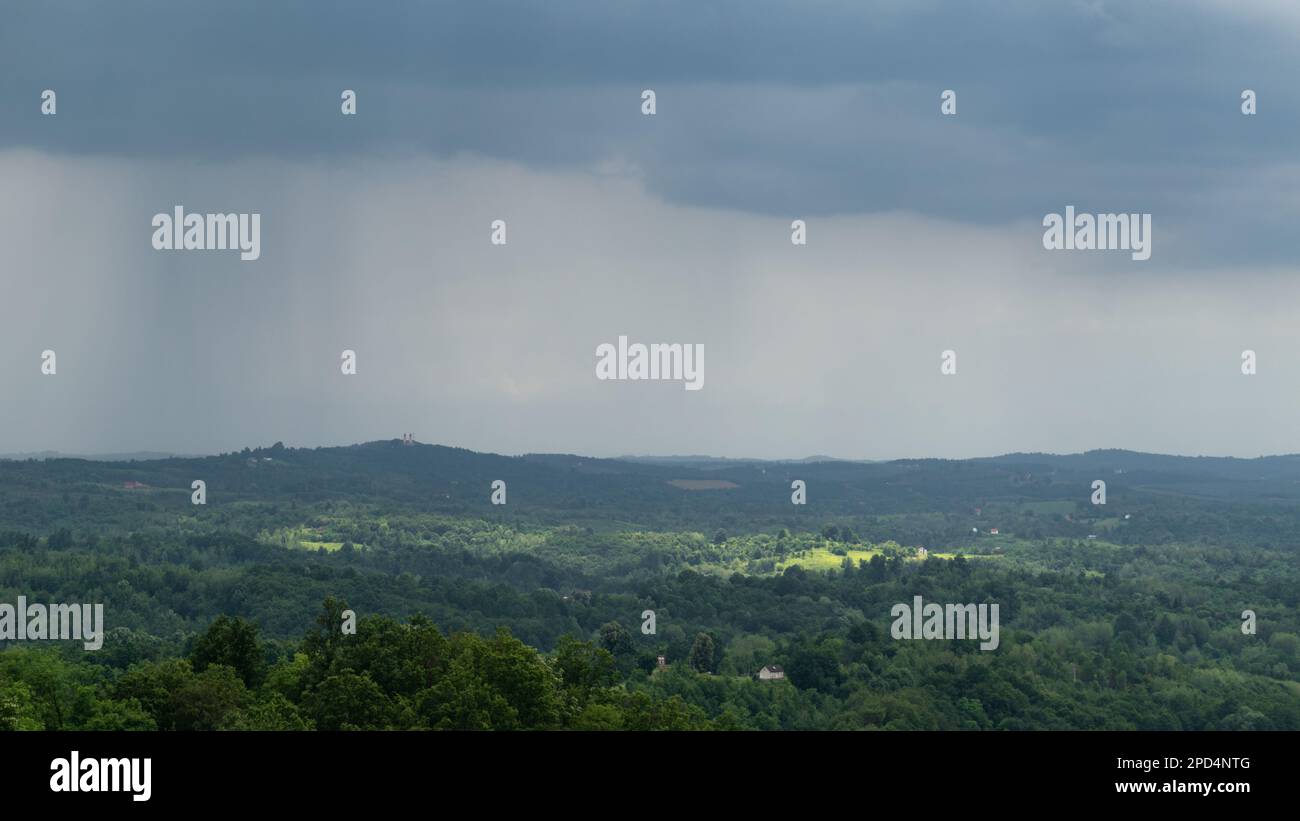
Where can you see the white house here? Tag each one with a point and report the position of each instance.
(771, 672)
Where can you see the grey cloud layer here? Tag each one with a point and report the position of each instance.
(774, 108)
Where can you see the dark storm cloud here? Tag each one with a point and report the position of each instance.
(775, 108)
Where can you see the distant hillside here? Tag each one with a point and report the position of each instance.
(707, 462)
(736, 495)
(138, 456)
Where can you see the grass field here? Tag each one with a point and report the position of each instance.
(821, 558)
(702, 484)
(330, 547)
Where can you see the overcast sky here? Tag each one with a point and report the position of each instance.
(924, 231)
